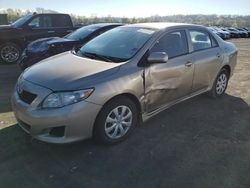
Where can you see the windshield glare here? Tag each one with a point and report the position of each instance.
(82, 33)
(21, 21)
(119, 44)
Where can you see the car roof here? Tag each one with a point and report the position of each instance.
(105, 24)
(160, 25)
(34, 14)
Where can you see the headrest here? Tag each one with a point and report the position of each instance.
(201, 38)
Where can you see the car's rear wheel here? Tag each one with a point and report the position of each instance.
(9, 53)
(220, 84)
(116, 121)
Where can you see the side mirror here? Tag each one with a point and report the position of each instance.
(158, 57)
(76, 47)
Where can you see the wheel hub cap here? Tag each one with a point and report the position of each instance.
(221, 84)
(118, 122)
(9, 54)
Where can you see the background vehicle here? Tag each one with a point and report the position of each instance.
(247, 30)
(225, 34)
(244, 33)
(46, 47)
(215, 31)
(14, 37)
(125, 75)
(234, 33)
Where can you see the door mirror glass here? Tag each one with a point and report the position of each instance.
(158, 57)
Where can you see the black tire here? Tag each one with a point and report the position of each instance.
(99, 133)
(10, 56)
(214, 91)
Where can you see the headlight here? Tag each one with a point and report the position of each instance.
(60, 99)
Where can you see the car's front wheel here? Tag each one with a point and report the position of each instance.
(220, 84)
(9, 52)
(116, 121)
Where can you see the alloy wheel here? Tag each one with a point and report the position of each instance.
(10, 53)
(118, 122)
(221, 83)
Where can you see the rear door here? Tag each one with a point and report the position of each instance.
(167, 82)
(62, 25)
(207, 57)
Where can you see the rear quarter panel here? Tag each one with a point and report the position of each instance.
(230, 55)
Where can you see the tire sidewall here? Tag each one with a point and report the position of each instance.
(10, 44)
(99, 133)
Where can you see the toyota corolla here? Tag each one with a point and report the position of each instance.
(119, 79)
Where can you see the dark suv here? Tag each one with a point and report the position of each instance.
(14, 37)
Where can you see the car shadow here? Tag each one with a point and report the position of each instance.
(195, 143)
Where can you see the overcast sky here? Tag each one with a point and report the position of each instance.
(134, 8)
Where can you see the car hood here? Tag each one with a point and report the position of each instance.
(5, 27)
(67, 71)
(43, 44)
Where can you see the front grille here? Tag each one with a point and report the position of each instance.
(26, 96)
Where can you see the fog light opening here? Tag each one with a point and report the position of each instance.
(57, 131)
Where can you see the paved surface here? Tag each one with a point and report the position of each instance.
(200, 143)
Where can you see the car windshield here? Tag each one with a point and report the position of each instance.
(82, 33)
(117, 45)
(21, 21)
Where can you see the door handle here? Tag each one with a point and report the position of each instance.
(218, 55)
(189, 64)
(51, 31)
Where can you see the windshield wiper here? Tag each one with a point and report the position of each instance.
(116, 59)
(96, 56)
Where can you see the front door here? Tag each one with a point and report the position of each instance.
(62, 25)
(40, 27)
(167, 82)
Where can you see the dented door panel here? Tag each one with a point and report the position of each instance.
(167, 82)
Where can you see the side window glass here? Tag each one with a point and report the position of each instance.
(41, 22)
(174, 44)
(200, 40)
(61, 21)
(214, 42)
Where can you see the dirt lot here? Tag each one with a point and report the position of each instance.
(203, 143)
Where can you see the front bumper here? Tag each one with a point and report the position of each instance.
(77, 119)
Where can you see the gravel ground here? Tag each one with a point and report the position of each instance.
(200, 143)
